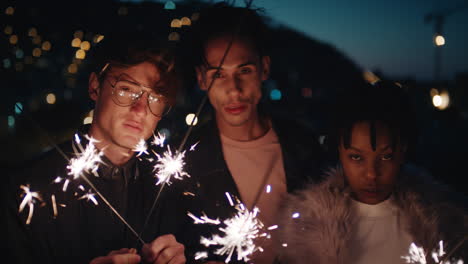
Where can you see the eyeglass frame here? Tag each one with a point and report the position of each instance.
(142, 92)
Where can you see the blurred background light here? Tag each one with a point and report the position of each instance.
(186, 21)
(32, 32)
(36, 52)
(78, 34)
(13, 39)
(18, 108)
(439, 40)
(19, 53)
(275, 95)
(189, 118)
(174, 36)
(50, 98)
(169, 5)
(76, 42)
(80, 54)
(176, 23)
(46, 46)
(10, 11)
(85, 45)
(8, 30)
(6, 63)
(11, 121)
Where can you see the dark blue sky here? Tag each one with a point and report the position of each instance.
(390, 36)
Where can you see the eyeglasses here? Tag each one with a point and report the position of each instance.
(126, 93)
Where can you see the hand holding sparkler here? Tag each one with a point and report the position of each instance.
(164, 249)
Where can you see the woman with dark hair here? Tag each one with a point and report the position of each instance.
(374, 204)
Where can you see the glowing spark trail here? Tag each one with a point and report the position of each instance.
(417, 255)
(141, 148)
(30, 198)
(170, 166)
(85, 162)
(238, 233)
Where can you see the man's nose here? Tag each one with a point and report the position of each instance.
(233, 85)
(140, 105)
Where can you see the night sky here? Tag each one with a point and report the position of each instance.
(389, 36)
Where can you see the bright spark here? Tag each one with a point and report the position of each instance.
(29, 198)
(296, 215)
(238, 233)
(54, 205)
(268, 188)
(192, 148)
(141, 148)
(201, 255)
(158, 140)
(85, 162)
(273, 227)
(417, 255)
(170, 166)
(89, 196)
(204, 219)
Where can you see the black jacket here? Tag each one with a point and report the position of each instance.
(303, 159)
(81, 230)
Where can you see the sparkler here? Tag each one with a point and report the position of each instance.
(159, 140)
(197, 114)
(169, 166)
(141, 148)
(417, 255)
(87, 160)
(238, 233)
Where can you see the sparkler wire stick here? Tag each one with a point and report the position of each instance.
(113, 209)
(83, 176)
(446, 257)
(189, 130)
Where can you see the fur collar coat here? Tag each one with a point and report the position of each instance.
(322, 232)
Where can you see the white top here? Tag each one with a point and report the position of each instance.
(380, 236)
(250, 163)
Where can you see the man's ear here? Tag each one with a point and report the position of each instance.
(93, 86)
(201, 77)
(265, 67)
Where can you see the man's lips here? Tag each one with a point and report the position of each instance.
(133, 125)
(235, 109)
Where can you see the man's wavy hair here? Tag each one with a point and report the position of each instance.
(224, 19)
(127, 49)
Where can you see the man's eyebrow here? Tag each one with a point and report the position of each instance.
(210, 68)
(247, 63)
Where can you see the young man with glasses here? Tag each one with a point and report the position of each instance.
(133, 84)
